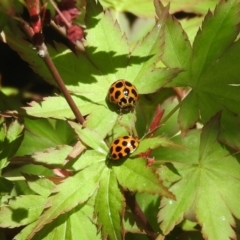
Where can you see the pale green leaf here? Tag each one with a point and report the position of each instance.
(58, 108)
(86, 159)
(41, 186)
(107, 47)
(21, 210)
(73, 191)
(52, 157)
(90, 137)
(109, 205)
(101, 120)
(71, 225)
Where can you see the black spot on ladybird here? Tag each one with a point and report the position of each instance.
(127, 150)
(119, 85)
(118, 149)
(134, 93)
(117, 94)
(120, 155)
(128, 83)
(111, 90)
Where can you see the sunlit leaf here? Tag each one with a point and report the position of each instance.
(73, 191)
(135, 176)
(21, 211)
(109, 200)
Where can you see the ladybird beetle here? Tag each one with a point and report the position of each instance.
(124, 94)
(123, 146)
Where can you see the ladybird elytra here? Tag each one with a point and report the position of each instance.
(122, 147)
(123, 93)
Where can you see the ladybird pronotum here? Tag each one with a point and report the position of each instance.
(123, 93)
(122, 147)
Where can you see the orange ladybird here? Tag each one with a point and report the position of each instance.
(124, 94)
(122, 147)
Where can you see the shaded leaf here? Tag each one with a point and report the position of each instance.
(5, 186)
(209, 177)
(42, 133)
(211, 42)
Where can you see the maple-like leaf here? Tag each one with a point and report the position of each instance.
(10, 139)
(210, 66)
(208, 187)
(109, 206)
(21, 211)
(73, 191)
(135, 176)
(69, 225)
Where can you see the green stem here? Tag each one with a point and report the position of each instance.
(20, 178)
(171, 113)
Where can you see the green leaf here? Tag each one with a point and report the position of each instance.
(107, 47)
(101, 120)
(189, 113)
(217, 34)
(5, 186)
(90, 138)
(41, 186)
(210, 180)
(135, 176)
(71, 225)
(11, 138)
(149, 48)
(143, 8)
(230, 130)
(52, 157)
(177, 48)
(109, 199)
(152, 143)
(86, 159)
(58, 108)
(21, 210)
(73, 191)
(41, 134)
(151, 81)
(214, 67)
